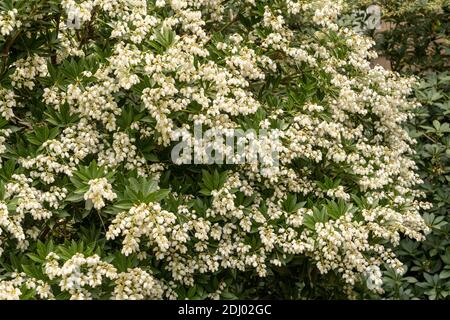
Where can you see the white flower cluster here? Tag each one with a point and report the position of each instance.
(9, 22)
(27, 70)
(99, 191)
(10, 224)
(32, 200)
(79, 272)
(95, 102)
(4, 134)
(137, 284)
(143, 220)
(7, 103)
(78, 13)
(45, 167)
(122, 151)
(11, 289)
(344, 244)
(74, 144)
(29, 200)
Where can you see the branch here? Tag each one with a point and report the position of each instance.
(54, 55)
(7, 48)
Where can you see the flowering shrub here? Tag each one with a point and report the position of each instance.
(94, 96)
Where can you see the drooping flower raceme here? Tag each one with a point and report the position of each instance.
(9, 22)
(99, 191)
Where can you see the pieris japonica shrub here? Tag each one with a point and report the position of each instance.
(96, 94)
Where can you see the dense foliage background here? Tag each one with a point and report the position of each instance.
(94, 208)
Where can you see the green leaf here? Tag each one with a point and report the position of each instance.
(445, 274)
